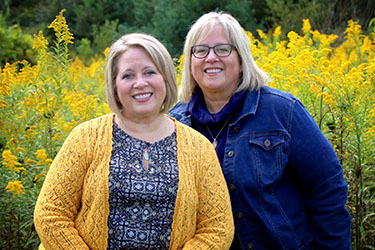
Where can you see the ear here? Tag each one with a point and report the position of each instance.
(117, 99)
(241, 76)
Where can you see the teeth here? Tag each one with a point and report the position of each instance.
(142, 96)
(213, 70)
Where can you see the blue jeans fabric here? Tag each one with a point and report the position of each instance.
(285, 181)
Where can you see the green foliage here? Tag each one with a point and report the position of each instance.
(104, 35)
(36, 115)
(103, 38)
(84, 50)
(14, 44)
(170, 20)
(325, 16)
(16, 213)
(288, 14)
(87, 13)
(372, 24)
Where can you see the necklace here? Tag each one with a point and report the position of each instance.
(214, 142)
(146, 158)
(146, 155)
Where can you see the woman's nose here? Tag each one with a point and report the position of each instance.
(211, 55)
(140, 83)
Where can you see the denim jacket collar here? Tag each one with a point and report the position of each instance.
(182, 110)
(198, 109)
(251, 104)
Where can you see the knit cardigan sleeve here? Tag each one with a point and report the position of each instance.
(62, 213)
(60, 197)
(207, 222)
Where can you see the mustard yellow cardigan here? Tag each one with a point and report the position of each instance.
(72, 209)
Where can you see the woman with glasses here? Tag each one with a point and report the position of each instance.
(285, 182)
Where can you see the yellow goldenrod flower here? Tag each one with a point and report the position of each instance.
(277, 32)
(306, 26)
(8, 77)
(16, 187)
(41, 154)
(38, 176)
(40, 42)
(261, 34)
(21, 149)
(353, 29)
(61, 28)
(106, 51)
(10, 161)
(93, 69)
(29, 161)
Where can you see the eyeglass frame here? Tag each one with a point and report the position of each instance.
(212, 47)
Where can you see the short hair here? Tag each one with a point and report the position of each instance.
(161, 58)
(252, 76)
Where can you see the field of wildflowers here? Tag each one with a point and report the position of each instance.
(40, 104)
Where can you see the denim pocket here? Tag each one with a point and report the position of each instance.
(267, 142)
(268, 153)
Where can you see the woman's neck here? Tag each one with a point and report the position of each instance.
(215, 103)
(147, 130)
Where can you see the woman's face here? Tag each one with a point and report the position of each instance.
(140, 86)
(216, 74)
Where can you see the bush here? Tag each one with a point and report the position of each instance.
(40, 104)
(14, 44)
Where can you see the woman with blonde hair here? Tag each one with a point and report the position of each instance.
(135, 179)
(284, 179)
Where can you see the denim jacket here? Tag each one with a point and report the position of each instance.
(286, 183)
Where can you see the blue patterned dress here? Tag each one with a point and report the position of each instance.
(141, 202)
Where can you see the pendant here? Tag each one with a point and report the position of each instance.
(146, 156)
(214, 143)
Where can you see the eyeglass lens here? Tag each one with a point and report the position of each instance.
(221, 50)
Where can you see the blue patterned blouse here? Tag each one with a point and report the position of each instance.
(141, 202)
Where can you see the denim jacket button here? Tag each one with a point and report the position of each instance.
(230, 153)
(250, 246)
(236, 130)
(267, 143)
(239, 215)
(232, 187)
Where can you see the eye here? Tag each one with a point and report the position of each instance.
(127, 76)
(222, 49)
(150, 72)
(200, 50)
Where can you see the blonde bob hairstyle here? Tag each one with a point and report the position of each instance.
(160, 57)
(252, 76)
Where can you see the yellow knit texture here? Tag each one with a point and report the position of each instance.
(72, 209)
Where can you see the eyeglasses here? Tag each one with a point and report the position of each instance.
(221, 50)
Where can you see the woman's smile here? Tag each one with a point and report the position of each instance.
(140, 86)
(215, 74)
